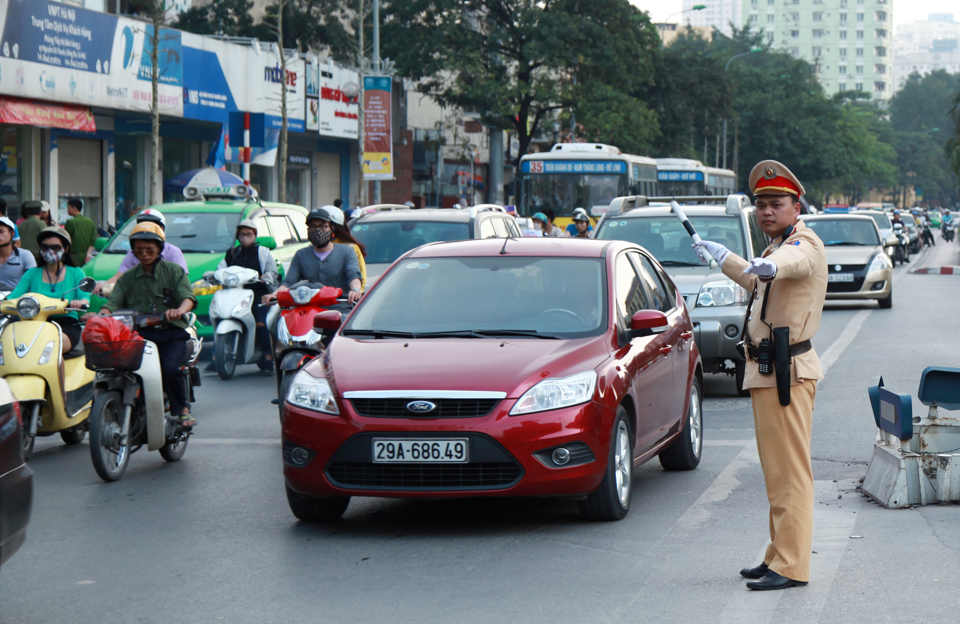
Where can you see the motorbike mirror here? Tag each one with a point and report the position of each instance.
(327, 320)
(267, 241)
(87, 284)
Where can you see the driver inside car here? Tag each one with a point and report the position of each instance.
(159, 286)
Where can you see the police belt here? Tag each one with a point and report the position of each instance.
(795, 349)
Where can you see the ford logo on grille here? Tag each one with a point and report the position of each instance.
(420, 407)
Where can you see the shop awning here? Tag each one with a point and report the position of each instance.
(47, 115)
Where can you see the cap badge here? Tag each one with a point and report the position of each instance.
(770, 173)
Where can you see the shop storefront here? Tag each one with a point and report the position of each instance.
(12, 148)
(299, 178)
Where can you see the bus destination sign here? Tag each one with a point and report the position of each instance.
(573, 166)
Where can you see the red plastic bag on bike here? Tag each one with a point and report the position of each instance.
(107, 329)
(109, 344)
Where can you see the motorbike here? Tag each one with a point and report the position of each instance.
(129, 407)
(928, 235)
(231, 311)
(901, 252)
(947, 230)
(297, 342)
(54, 389)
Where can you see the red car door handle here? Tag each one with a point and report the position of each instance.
(687, 335)
(667, 349)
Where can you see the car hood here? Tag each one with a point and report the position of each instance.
(510, 365)
(690, 279)
(850, 255)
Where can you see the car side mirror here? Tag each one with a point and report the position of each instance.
(267, 241)
(87, 284)
(100, 243)
(647, 322)
(327, 320)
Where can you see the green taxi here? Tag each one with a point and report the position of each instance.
(204, 230)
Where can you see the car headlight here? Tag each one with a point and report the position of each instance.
(242, 305)
(880, 262)
(721, 293)
(28, 307)
(231, 281)
(552, 394)
(312, 393)
(203, 287)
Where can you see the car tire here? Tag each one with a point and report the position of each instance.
(739, 374)
(316, 509)
(684, 454)
(887, 302)
(611, 501)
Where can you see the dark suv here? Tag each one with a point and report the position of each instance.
(390, 231)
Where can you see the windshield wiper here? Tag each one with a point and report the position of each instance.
(841, 243)
(532, 333)
(457, 333)
(378, 333)
(680, 263)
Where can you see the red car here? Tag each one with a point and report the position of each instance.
(498, 367)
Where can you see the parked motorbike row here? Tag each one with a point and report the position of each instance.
(114, 390)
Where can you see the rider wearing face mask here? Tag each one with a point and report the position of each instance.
(54, 279)
(250, 255)
(323, 262)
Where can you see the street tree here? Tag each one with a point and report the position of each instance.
(519, 62)
(231, 18)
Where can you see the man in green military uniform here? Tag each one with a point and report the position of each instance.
(31, 227)
(82, 231)
(155, 286)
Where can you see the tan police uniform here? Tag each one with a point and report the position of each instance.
(796, 295)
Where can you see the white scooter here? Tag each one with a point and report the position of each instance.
(231, 311)
(130, 408)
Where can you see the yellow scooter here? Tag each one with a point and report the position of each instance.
(55, 390)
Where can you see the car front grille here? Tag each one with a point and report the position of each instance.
(445, 408)
(425, 476)
(846, 268)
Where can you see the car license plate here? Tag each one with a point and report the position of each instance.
(840, 277)
(413, 451)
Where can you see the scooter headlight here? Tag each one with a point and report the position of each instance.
(28, 307)
(242, 305)
(231, 281)
(47, 353)
(312, 393)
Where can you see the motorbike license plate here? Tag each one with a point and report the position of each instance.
(840, 277)
(414, 451)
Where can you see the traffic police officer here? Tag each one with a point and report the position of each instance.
(792, 274)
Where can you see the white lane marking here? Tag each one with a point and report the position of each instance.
(831, 355)
(832, 526)
(729, 442)
(725, 483)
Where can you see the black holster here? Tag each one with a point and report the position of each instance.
(781, 361)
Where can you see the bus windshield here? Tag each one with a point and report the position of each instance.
(565, 191)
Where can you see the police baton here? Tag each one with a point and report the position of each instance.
(675, 207)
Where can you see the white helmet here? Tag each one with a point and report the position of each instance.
(336, 215)
(153, 215)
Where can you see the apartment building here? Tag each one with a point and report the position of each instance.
(719, 14)
(926, 46)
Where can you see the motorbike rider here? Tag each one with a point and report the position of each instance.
(323, 262)
(582, 224)
(54, 279)
(342, 236)
(171, 252)
(572, 228)
(250, 255)
(14, 262)
(157, 285)
(896, 218)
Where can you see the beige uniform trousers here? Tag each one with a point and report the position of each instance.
(783, 440)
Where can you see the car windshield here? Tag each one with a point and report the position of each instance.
(837, 232)
(908, 219)
(192, 232)
(486, 296)
(388, 240)
(883, 221)
(664, 236)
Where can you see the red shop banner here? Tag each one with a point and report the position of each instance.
(30, 113)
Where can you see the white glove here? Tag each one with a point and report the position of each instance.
(764, 268)
(718, 251)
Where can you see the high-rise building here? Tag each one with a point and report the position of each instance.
(848, 41)
(926, 46)
(718, 14)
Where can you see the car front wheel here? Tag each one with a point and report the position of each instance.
(611, 501)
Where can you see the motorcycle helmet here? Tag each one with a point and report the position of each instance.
(581, 216)
(152, 215)
(249, 224)
(55, 230)
(324, 213)
(148, 231)
(7, 222)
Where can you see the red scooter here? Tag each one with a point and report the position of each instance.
(297, 342)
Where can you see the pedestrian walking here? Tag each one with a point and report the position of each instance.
(789, 285)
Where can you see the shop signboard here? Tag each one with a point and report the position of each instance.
(338, 114)
(61, 53)
(30, 113)
(271, 100)
(377, 148)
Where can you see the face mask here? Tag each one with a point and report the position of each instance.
(320, 238)
(52, 257)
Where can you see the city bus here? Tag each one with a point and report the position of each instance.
(685, 177)
(582, 175)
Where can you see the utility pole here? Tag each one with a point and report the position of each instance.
(361, 55)
(376, 65)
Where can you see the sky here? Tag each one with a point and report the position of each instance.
(904, 11)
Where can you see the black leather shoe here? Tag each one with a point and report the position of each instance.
(754, 573)
(772, 580)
